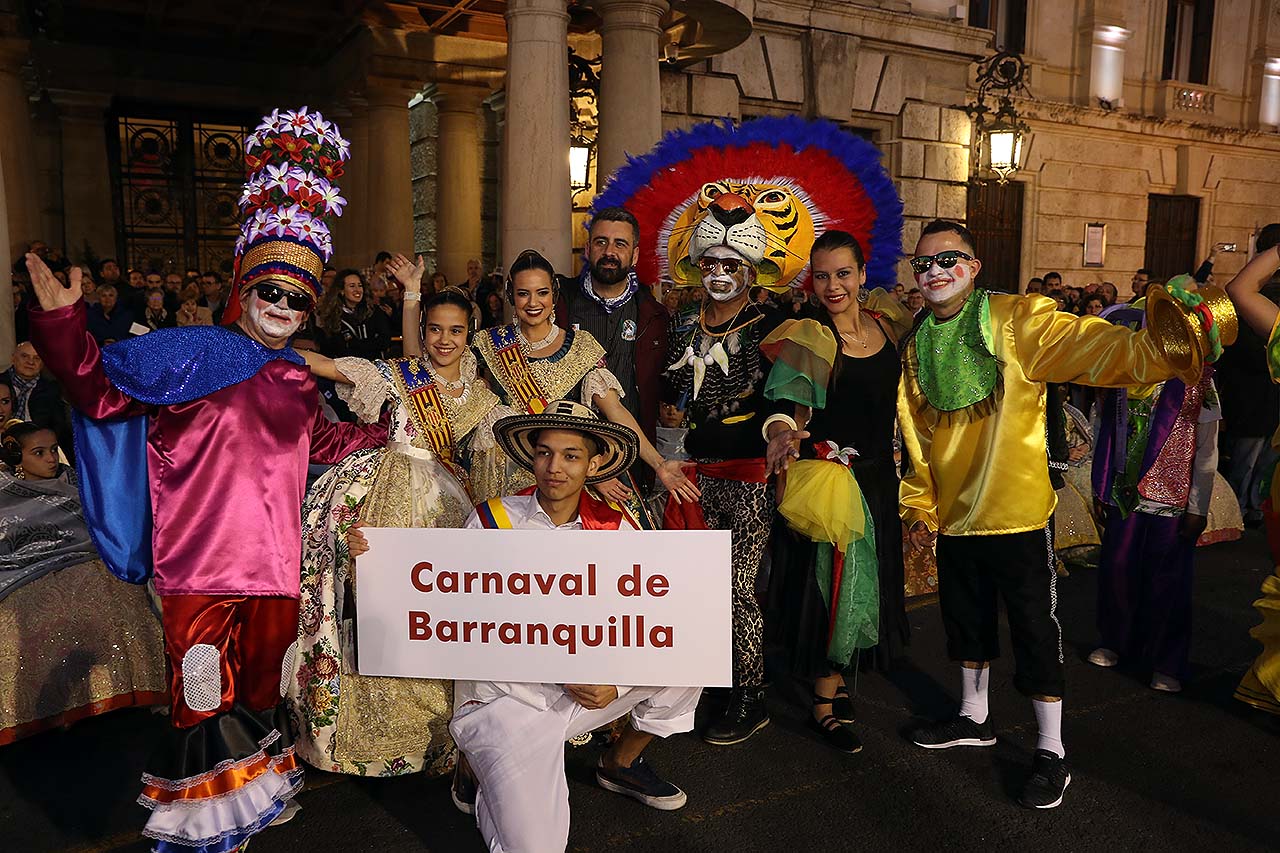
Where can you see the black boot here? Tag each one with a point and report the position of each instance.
(744, 716)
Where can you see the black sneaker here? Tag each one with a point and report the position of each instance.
(1049, 779)
(463, 789)
(958, 731)
(744, 716)
(640, 783)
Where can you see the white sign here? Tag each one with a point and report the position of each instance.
(632, 608)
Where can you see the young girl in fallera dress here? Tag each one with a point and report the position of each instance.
(441, 459)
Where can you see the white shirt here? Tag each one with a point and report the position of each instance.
(526, 514)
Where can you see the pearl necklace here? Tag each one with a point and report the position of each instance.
(535, 346)
(459, 384)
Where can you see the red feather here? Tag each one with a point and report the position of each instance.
(837, 197)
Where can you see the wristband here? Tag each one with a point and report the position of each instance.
(410, 296)
(778, 419)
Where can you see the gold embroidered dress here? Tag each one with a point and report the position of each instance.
(527, 383)
(440, 459)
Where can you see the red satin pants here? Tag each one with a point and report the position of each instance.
(225, 649)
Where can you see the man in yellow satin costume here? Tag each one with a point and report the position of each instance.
(1260, 686)
(971, 405)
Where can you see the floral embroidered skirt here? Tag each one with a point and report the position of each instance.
(346, 722)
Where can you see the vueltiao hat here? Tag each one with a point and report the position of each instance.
(292, 159)
(516, 435)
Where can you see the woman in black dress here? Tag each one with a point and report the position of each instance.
(860, 406)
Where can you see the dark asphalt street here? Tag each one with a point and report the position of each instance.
(1150, 771)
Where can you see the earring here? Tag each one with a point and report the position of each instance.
(20, 474)
(863, 294)
(553, 316)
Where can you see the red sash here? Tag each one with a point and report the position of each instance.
(688, 515)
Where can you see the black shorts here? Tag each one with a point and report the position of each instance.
(1021, 568)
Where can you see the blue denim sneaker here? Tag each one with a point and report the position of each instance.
(639, 782)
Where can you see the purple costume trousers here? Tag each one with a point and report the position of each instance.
(1144, 591)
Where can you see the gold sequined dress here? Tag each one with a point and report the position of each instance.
(366, 725)
(75, 642)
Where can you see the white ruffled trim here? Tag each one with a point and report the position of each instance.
(482, 438)
(220, 767)
(368, 390)
(598, 382)
(248, 811)
(157, 806)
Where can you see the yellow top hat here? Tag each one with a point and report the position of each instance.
(1179, 332)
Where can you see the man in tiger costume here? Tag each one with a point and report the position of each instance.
(718, 376)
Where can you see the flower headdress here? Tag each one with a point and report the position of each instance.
(292, 159)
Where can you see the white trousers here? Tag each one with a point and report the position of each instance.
(516, 753)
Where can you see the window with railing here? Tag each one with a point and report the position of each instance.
(1188, 40)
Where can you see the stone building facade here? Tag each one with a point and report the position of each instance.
(1155, 118)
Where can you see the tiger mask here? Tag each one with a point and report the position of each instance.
(780, 220)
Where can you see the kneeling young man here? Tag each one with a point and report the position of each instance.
(512, 734)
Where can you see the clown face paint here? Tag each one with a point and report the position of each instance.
(940, 286)
(720, 284)
(272, 322)
(946, 289)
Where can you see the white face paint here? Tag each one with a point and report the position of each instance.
(720, 285)
(940, 286)
(274, 321)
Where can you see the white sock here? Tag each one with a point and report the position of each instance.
(1049, 723)
(973, 701)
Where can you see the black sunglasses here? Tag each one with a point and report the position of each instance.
(944, 260)
(271, 293)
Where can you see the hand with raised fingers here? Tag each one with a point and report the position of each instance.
(408, 273)
(49, 291)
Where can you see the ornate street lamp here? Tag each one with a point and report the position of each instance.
(1004, 140)
(584, 95)
(1001, 132)
(580, 164)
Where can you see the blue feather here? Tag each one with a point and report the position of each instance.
(861, 158)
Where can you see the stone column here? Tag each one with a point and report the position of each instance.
(459, 230)
(351, 229)
(630, 95)
(1106, 65)
(390, 198)
(17, 150)
(535, 165)
(86, 175)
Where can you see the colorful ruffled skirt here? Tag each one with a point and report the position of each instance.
(825, 585)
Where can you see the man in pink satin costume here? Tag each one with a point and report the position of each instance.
(231, 419)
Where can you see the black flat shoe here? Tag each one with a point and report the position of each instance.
(836, 735)
(842, 705)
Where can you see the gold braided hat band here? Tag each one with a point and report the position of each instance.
(277, 256)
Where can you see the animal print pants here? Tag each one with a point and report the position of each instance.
(746, 509)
